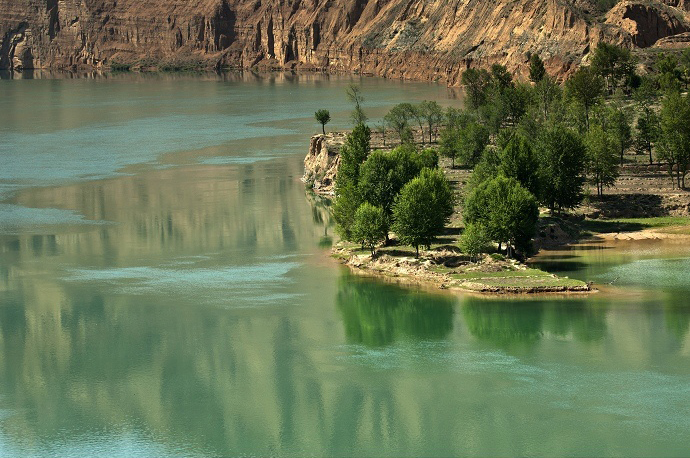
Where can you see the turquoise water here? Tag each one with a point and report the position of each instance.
(166, 290)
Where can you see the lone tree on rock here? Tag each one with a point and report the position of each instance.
(323, 117)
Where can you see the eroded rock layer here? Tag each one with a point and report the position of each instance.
(420, 39)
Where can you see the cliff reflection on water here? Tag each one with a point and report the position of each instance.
(191, 308)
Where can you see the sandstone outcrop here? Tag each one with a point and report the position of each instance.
(322, 160)
(417, 39)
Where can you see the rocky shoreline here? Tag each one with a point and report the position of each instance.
(446, 268)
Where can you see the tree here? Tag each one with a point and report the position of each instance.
(428, 158)
(353, 153)
(674, 143)
(370, 226)
(323, 117)
(615, 64)
(474, 241)
(537, 71)
(476, 83)
(507, 211)
(670, 74)
(615, 119)
(586, 88)
(383, 175)
(449, 143)
(433, 114)
(347, 201)
(398, 118)
(465, 142)
(648, 131)
(547, 93)
(601, 158)
(354, 95)
(471, 141)
(377, 182)
(561, 156)
(519, 161)
(501, 77)
(422, 209)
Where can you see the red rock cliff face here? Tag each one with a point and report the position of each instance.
(420, 39)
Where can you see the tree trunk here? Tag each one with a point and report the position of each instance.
(416, 247)
(650, 154)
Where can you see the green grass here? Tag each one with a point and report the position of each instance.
(632, 224)
(529, 278)
(532, 282)
(527, 273)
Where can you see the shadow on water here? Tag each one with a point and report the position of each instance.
(677, 313)
(505, 323)
(560, 266)
(377, 314)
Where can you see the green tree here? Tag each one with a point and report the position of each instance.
(370, 226)
(508, 211)
(476, 84)
(433, 115)
(537, 71)
(561, 155)
(488, 167)
(615, 64)
(616, 119)
(670, 73)
(323, 117)
(354, 95)
(585, 87)
(474, 241)
(377, 183)
(347, 201)
(428, 158)
(602, 163)
(674, 143)
(383, 175)
(647, 132)
(647, 128)
(501, 77)
(519, 161)
(465, 143)
(422, 209)
(546, 94)
(398, 118)
(353, 153)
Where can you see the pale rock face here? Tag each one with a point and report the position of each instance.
(433, 40)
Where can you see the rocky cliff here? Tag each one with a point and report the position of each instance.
(420, 39)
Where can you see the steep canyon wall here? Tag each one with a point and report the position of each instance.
(418, 39)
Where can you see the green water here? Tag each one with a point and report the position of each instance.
(165, 290)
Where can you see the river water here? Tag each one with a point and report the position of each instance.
(165, 289)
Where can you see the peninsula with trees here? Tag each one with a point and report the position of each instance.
(523, 165)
